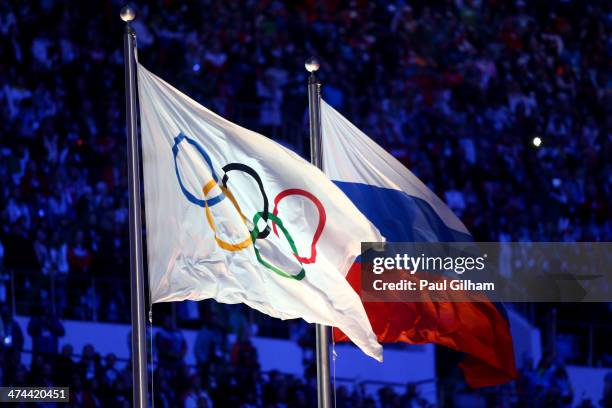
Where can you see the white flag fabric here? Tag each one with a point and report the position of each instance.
(233, 216)
(391, 196)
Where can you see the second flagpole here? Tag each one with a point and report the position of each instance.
(316, 158)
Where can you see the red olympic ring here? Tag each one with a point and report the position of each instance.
(318, 231)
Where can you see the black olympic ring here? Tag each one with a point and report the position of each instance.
(248, 170)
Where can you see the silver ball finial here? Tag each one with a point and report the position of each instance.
(127, 13)
(312, 64)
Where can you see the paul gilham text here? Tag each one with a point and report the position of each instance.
(424, 284)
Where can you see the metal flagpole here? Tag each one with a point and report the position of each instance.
(139, 347)
(316, 158)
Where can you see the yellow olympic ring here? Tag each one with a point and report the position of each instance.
(224, 244)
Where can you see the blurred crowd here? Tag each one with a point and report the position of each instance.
(227, 374)
(501, 107)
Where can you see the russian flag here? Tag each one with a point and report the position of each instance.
(404, 209)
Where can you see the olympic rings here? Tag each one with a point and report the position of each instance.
(320, 226)
(191, 197)
(254, 233)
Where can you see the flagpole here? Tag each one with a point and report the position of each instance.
(139, 348)
(316, 158)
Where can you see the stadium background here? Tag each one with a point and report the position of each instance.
(456, 90)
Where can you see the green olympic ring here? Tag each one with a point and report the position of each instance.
(265, 263)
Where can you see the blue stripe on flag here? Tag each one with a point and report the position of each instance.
(399, 216)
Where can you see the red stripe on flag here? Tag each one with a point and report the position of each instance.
(475, 328)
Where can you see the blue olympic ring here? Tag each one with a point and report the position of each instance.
(188, 195)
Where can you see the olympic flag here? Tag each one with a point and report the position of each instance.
(233, 216)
